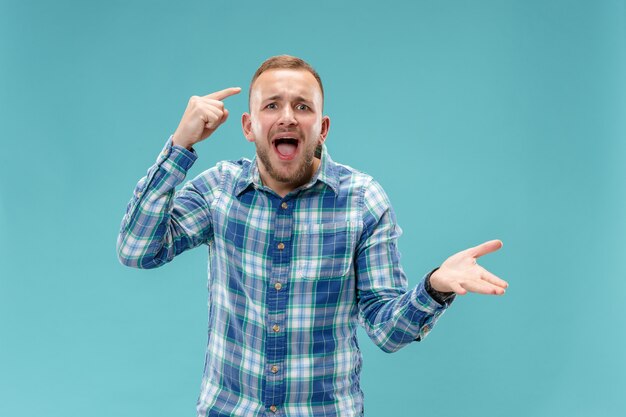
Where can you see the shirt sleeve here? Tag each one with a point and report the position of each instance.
(160, 223)
(392, 315)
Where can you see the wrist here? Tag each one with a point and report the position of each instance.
(435, 282)
(440, 296)
(176, 141)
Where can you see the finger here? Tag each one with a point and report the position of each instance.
(212, 115)
(482, 287)
(218, 122)
(492, 279)
(221, 95)
(211, 102)
(485, 248)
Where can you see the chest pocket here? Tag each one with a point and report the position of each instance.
(324, 250)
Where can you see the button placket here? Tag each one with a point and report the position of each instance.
(276, 303)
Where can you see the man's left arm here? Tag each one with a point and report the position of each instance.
(393, 315)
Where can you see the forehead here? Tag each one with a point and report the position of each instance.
(286, 83)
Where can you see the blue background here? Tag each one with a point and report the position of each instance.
(482, 119)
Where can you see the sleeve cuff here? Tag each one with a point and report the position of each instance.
(423, 301)
(427, 301)
(176, 157)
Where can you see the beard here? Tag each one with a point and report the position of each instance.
(302, 173)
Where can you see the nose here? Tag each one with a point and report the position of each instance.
(287, 117)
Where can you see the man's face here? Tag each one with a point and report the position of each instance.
(286, 125)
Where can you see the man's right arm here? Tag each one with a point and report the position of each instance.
(158, 224)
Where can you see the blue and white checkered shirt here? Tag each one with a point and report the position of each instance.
(289, 280)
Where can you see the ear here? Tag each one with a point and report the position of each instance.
(325, 128)
(246, 126)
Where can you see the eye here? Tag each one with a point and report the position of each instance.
(302, 107)
(271, 106)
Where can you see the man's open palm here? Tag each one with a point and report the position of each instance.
(461, 274)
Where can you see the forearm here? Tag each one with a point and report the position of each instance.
(151, 233)
(394, 317)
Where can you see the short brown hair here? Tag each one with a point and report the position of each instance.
(285, 62)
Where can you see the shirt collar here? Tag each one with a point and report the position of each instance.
(327, 173)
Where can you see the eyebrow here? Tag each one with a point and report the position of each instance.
(279, 97)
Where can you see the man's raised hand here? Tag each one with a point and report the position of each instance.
(461, 274)
(203, 115)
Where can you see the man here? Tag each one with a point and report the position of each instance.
(301, 249)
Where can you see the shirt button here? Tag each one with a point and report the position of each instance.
(276, 328)
(273, 408)
(284, 206)
(281, 246)
(278, 286)
(274, 369)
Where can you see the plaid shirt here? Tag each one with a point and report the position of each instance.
(289, 280)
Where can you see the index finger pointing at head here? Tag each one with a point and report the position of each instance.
(485, 248)
(227, 92)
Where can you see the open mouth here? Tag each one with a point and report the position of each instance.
(286, 147)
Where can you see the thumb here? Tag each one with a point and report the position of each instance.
(485, 248)
(219, 122)
(224, 116)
